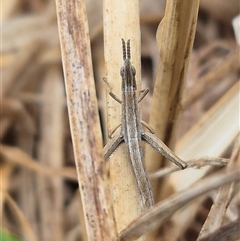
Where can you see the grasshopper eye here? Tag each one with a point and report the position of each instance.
(133, 71)
(122, 71)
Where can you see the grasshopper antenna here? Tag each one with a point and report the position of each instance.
(128, 50)
(124, 49)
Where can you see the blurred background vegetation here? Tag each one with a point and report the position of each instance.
(39, 190)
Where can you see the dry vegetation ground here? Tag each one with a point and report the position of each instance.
(40, 198)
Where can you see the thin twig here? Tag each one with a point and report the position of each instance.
(196, 163)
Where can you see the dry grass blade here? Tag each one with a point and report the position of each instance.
(155, 216)
(175, 37)
(19, 157)
(229, 232)
(84, 119)
(22, 221)
(196, 163)
(229, 65)
(205, 139)
(218, 210)
(51, 154)
(19, 66)
(16, 112)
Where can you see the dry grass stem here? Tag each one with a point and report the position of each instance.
(21, 219)
(204, 134)
(125, 25)
(84, 120)
(229, 232)
(15, 111)
(26, 57)
(175, 40)
(52, 126)
(228, 65)
(196, 163)
(162, 210)
(18, 157)
(218, 210)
